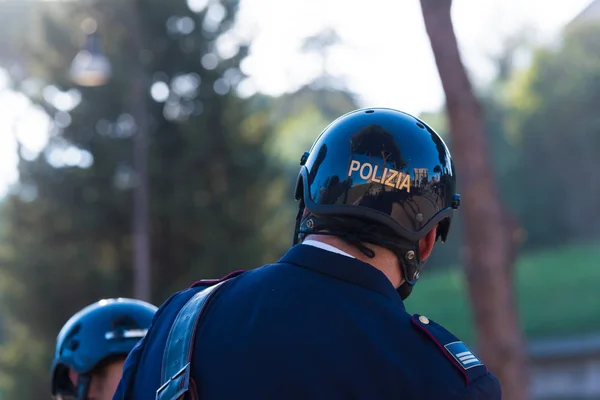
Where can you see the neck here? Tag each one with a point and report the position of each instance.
(384, 260)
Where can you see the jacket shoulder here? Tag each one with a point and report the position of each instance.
(452, 348)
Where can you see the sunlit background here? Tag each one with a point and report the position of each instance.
(225, 131)
(383, 55)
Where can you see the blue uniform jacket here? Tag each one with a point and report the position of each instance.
(315, 325)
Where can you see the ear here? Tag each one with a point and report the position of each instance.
(73, 376)
(426, 244)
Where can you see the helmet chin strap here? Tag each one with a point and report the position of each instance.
(357, 233)
(83, 385)
(411, 264)
(404, 290)
(297, 236)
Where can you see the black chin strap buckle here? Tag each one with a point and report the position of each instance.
(411, 264)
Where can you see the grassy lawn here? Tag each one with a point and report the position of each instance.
(558, 294)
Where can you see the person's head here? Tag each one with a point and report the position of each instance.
(379, 178)
(92, 346)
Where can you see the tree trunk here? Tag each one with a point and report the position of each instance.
(489, 233)
(142, 286)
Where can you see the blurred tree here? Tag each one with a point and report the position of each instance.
(506, 162)
(66, 236)
(490, 247)
(297, 119)
(13, 20)
(321, 45)
(507, 153)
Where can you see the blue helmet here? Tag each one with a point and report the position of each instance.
(103, 330)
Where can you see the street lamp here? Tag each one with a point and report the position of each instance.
(90, 67)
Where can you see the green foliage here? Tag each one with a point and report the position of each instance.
(301, 116)
(554, 120)
(557, 294)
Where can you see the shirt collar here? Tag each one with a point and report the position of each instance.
(327, 247)
(346, 268)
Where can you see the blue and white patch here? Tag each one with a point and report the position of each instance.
(462, 355)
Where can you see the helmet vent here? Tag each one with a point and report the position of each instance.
(124, 322)
(369, 111)
(74, 331)
(420, 125)
(73, 345)
(70, 343)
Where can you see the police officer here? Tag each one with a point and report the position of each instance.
(327, 321)
(92, 346)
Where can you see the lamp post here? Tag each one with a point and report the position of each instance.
(91, 68)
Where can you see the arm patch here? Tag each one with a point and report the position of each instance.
(454, 349)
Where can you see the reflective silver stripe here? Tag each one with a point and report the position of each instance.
(126, 334)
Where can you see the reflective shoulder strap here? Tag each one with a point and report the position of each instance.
(178, 351)
(130, 370)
